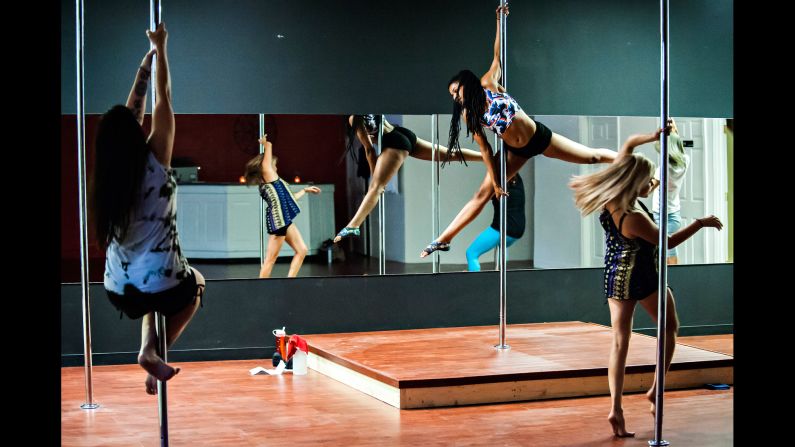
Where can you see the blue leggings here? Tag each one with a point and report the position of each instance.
(487, 240)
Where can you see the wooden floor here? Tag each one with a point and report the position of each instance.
(454, 366)
(219, 404)
(716, 343)
(444, 356)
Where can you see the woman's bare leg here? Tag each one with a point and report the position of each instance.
(175, 324)
(386, 166)
(671, 330)
(295, 241)
(621, 312)
(271, 254)
(475, 205)
(565, 149)
(423, 150)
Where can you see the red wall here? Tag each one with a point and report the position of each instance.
(309, 145)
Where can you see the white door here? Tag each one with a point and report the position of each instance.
(693, 191)
(598, 132)
(704, 189)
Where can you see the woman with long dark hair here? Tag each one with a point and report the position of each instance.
(631, 271)
(134, 204)
(484, 102)
(398, 143)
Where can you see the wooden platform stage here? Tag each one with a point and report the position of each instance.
(423, 368)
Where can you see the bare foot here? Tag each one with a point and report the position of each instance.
(651, 396)
(155, 366)
(616, 420)
(151, 384)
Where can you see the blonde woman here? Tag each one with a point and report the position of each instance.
(282, 209)
(678, 161)
(631, 273)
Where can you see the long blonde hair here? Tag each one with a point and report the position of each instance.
(676, 150)
(621, 181)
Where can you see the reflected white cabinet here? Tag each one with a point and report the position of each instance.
(221, 221)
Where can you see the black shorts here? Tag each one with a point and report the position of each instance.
(537, 144)
(400, 138)
(135, 304)
(281, 231)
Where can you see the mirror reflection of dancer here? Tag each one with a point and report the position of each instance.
(281, 211)
(398, 143)
(484, 102)
(631, 273)
(490, 237)
(134, 204)
(678, 162)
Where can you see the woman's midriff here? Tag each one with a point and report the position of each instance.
(521, 130)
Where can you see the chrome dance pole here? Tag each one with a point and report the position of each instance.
(662, 286)
(504, 199)
(81, 175)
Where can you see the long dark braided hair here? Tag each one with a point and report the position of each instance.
(474, 104)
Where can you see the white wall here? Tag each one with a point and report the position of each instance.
(556, 221)
(416, 191)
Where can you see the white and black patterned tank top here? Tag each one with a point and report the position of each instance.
(149, 258)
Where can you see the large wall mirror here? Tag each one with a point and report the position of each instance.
(220, 216)
(306, 107)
